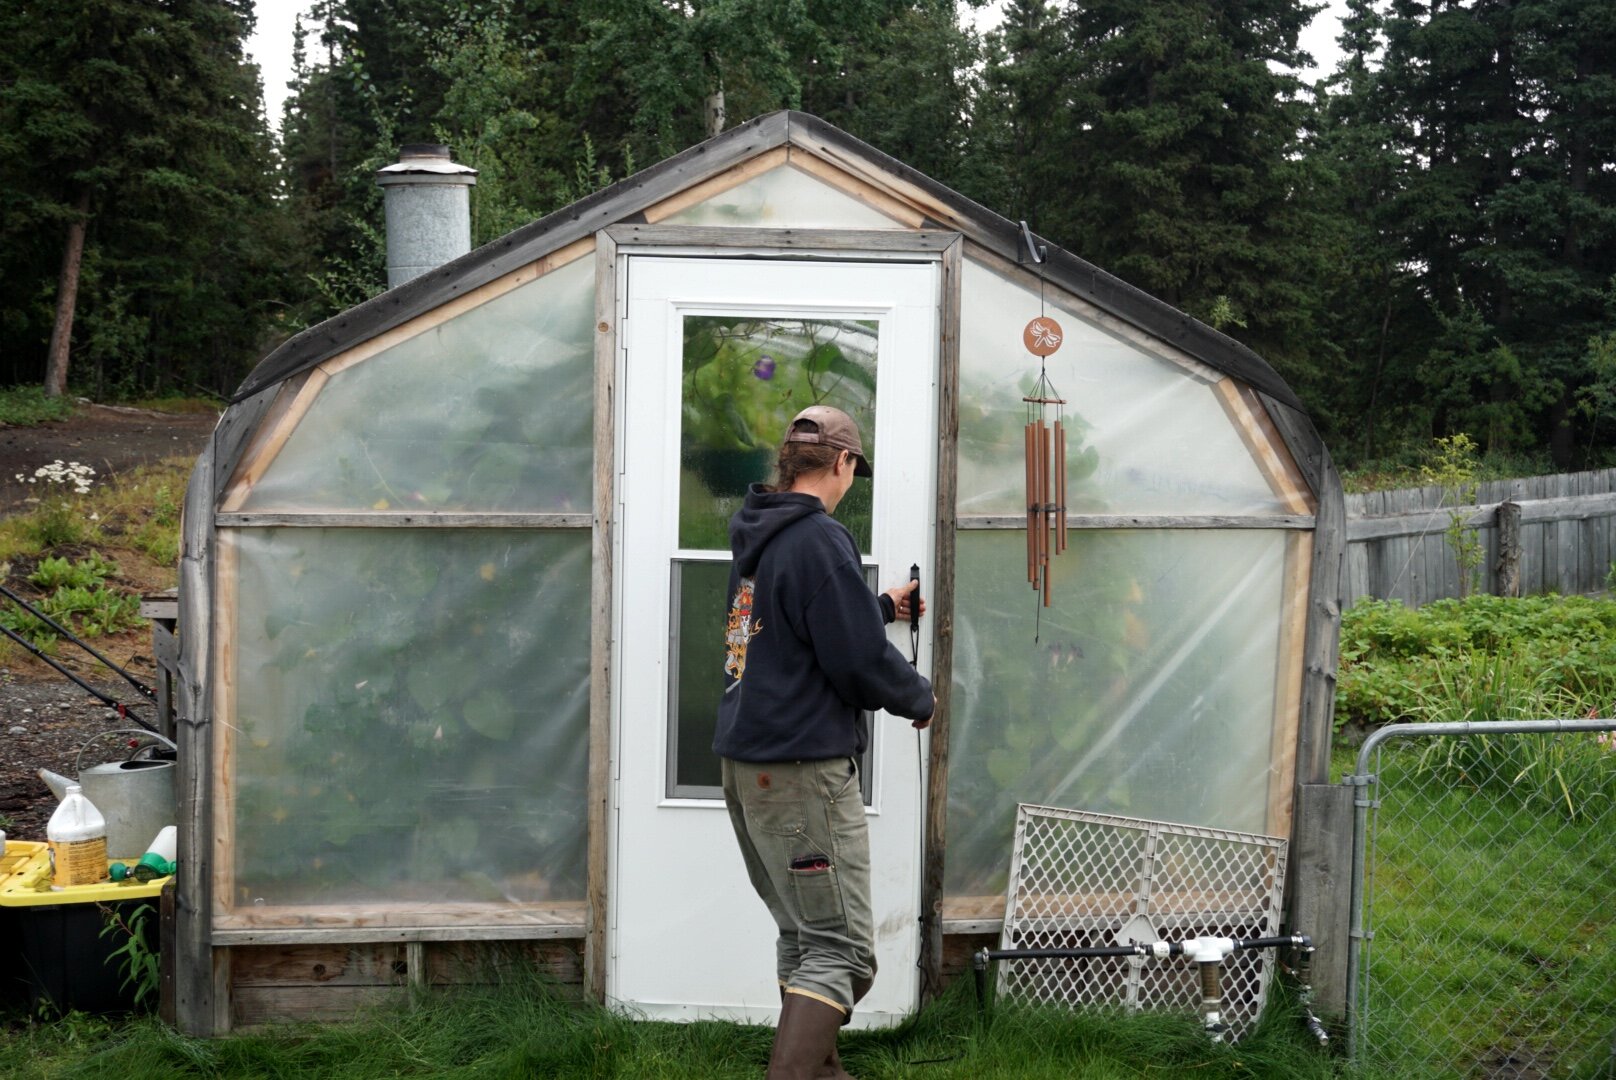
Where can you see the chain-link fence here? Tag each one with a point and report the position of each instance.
(1485, 901)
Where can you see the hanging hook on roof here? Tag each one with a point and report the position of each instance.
(1035, 251)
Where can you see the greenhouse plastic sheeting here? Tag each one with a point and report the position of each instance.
(488, 411)
(782, 198)
(1148, 689)
(411, 715)
(1143, 435)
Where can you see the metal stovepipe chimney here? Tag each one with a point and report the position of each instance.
(428, 210)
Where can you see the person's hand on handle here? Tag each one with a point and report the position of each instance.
(900, 600)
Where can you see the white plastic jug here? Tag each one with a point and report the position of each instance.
(77, 835)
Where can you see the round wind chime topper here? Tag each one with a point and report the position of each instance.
(1042, 336)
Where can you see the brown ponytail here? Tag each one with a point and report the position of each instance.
(798, 459)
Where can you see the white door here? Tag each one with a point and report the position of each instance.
(717, 356)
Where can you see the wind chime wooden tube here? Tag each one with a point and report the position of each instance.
(1043, 508)
(1060, 485)
(1031, 456)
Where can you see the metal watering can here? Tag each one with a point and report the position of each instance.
(135, 796)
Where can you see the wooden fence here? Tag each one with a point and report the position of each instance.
(1396, 547)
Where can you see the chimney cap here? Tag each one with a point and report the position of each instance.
(423, 150)
(422, 160)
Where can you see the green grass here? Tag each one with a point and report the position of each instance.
(60, 554)
(136, 511)
(523, 1030)
(25, 406)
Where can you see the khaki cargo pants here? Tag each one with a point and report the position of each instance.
(801, 828)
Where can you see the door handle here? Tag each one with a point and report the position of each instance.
(914, 615)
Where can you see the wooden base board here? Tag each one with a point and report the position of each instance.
(271, 984)
(279, 983)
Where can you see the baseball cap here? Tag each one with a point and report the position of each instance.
(833, 428)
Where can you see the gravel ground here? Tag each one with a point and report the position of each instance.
(43, 724)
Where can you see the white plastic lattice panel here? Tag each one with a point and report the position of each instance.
(1082, 880)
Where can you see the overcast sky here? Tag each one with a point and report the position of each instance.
(271, 43)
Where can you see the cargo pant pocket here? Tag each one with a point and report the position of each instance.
(817, 890)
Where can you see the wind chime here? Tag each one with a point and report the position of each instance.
(1045, 444)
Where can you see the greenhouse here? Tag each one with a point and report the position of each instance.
(452, 591)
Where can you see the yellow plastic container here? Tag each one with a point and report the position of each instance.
(18, 854)
(27, 882)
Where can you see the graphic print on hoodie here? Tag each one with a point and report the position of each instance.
(739, 633)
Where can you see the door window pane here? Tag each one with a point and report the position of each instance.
(698, 676)
(698, 612)
(744, 377)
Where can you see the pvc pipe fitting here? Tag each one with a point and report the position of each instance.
(1209, 950)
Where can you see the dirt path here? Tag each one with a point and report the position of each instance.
(108, 439)
(44, 719)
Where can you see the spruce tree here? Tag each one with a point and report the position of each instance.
(134, 165)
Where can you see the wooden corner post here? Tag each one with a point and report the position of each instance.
(600, 604)
(942, 610)
(193, 989)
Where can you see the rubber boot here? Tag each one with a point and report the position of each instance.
(831, 1067)
(805, 1041)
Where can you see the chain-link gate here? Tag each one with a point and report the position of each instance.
(1081, 880)
(1484, 900)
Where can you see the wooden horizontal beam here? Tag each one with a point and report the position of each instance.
(368, 934)
(404, 520)
(973, 926)
(1422, 522)
(1145, 521)
(783, 241)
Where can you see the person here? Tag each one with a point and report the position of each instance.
(806, 655)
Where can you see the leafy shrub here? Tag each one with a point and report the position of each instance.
(89, 611)
(25, 406)
(1394, 658)
(137, 961)
(1487, 658)
(56, 524)
(35, 631)
(97, 610)
(110, 613)
(60, 518)
(54, 573)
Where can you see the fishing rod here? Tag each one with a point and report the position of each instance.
(123, 711)
(145, 691)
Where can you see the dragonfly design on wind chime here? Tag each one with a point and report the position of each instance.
(1046, 458)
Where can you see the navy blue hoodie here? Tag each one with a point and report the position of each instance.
(807, 648)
